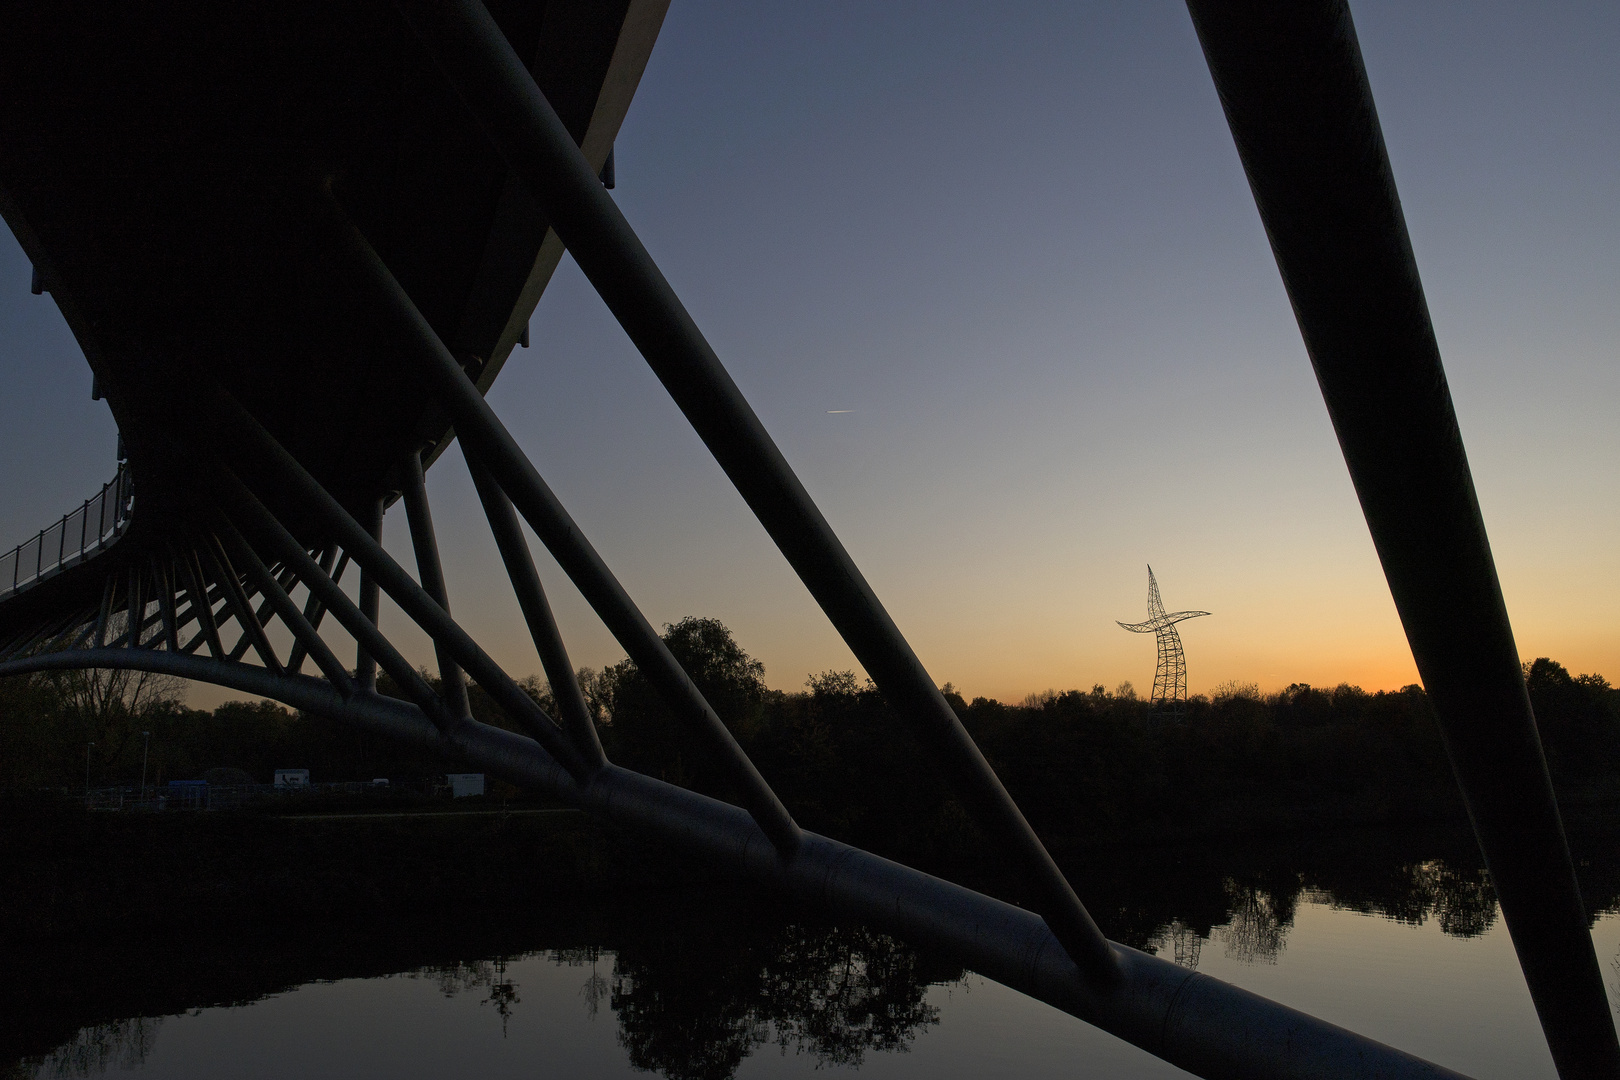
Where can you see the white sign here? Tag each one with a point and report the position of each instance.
(463, 784)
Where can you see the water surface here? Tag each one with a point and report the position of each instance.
(712, 986)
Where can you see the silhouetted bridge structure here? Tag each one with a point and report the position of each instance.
(297, 241)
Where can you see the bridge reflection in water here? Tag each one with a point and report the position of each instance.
(710, 985)
(387, 238)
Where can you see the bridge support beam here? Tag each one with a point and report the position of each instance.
(500, 93)
(1201, 1024)
(275, 595)
(487, 439)
(240, 429)
(1295, 91)
(365, 665)
(431, 574)
(313, 611)
(531, 597)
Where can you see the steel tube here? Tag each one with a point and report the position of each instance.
(244, 507)
(283, 606)
(59, 629)
(87, 628)
(201, 603)
(260, 613)
(135, 603)
(184, 618)
(312, 610)
(239, 650)
(1292, 82)
(165, 595)
(531, 597)
(483, 433)
(365, 665)
(242, 429)
(44, 632)
(431, 575)
(502, 96)
(238, 602)
(105, 612)
(156, 620)
(1196, 1022)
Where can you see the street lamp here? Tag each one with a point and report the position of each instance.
(145, 749)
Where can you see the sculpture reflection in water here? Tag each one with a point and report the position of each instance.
(694, 999)
(697, 985)
(1257, 915)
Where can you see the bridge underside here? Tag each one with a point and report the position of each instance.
(160, 167)
(297, 242)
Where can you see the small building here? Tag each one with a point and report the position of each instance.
(292, 778)
(463, 784)
(185, 795)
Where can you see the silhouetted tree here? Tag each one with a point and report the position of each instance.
(642, 733)
(1577, 718)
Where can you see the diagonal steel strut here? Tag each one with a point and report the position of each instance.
(312, 608)
(240, 428)
(365, 664)
(249, 513)
(431, 575)
(1191, 1020)
(501, 95)
(1294, 88)
(479, 429)
(288, 611)
(514, 549)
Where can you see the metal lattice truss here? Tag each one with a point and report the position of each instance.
(1170, 676)
(258, 557)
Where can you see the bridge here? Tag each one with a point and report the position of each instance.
(298, 241)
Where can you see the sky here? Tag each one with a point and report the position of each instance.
(993, 279)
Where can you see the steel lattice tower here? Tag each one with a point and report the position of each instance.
(264, 469)
(1170, 678)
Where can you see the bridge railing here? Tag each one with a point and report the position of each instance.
(80, 533)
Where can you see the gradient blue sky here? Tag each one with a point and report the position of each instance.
(1015, 241)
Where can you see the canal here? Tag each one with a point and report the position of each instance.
(1393, 935)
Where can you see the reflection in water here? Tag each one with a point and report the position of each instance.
(461, 976)
(1258, 928)
(122, 1044)
(834, 993)
(696, 987)
(1463, 903)
(596, 988)
(1182, 942)
(694, 1005)
(1614, 984)
(1259, 913)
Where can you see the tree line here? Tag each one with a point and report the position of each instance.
(1086, 765)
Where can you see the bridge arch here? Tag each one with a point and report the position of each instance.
(262, 467)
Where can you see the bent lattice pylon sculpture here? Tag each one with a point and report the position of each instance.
(1170, 677)
(299, 241)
